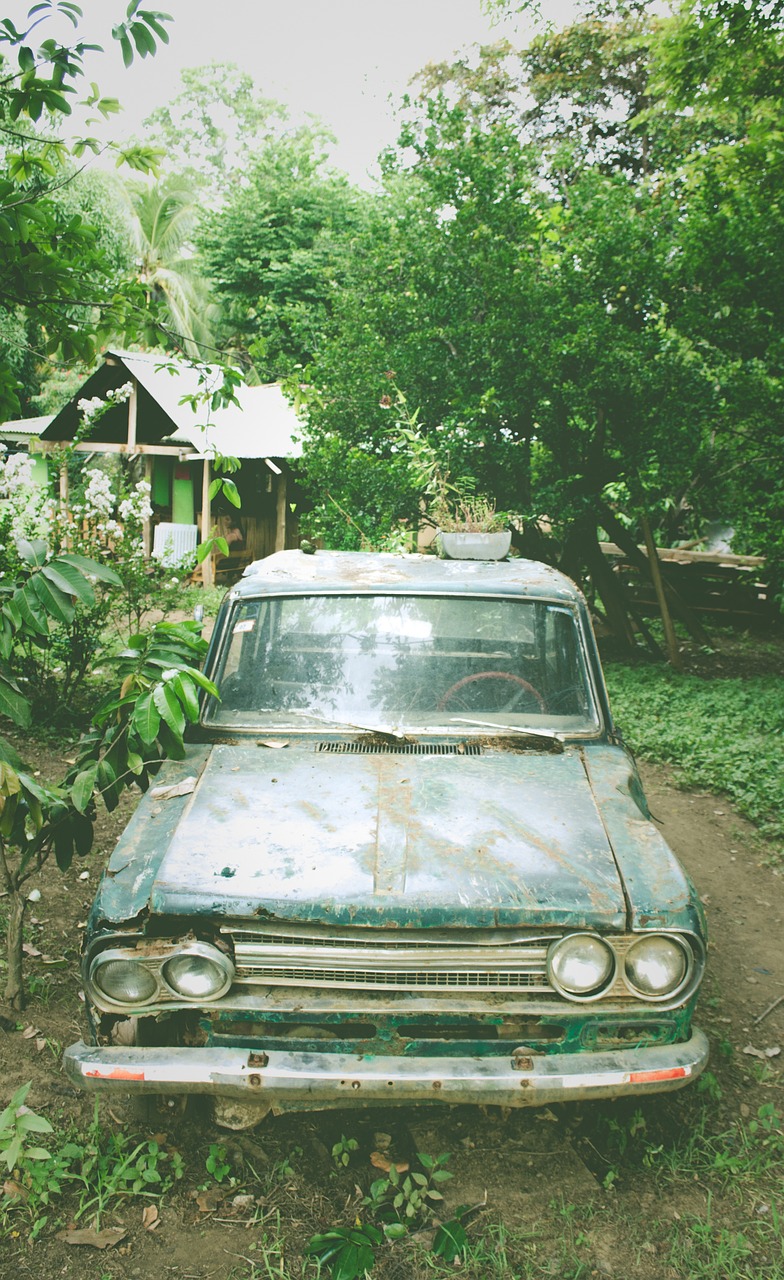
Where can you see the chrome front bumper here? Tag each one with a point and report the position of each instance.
(316, 1081)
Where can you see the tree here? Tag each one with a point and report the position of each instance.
(53, 266)
(138, 725)
(577, 322)
(212, 127)
(724, 60)
(277, 249)
(162, 220)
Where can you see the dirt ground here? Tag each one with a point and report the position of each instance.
(559, 1194)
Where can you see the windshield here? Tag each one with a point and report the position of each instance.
(398, 663)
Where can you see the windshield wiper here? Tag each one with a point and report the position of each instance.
(394, 735)
(543, 735)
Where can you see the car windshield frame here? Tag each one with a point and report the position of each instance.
(492, 673)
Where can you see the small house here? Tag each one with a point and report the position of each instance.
(179, 448)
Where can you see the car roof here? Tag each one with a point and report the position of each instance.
(365, 571)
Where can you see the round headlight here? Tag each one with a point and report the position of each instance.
(656, 966)
(581, 965)
(124, 981)
(198, 972)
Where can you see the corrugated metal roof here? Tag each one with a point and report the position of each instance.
(264, 425)
(26, 426)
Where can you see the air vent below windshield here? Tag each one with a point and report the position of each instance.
(400, 748)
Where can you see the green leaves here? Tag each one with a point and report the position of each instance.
(450, 1240)
(17, 1123)
(44, 593)
(167, 704)
(145, 720)
(83, 788)
(13, 703)
(222, 484)
(142, 31)
(349, 1252)
(56, 275)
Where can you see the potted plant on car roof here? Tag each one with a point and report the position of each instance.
(467, 524)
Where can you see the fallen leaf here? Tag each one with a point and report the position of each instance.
(30, 950)
(380, 1161)
(209, 1199)
(274, 743)
(754, 1053)
(104, 1239)
(773, 1051)
(383, 1141)
(150, 1217)
(31, 1032)
(14, 1190)
(40, 1045)
(183, 788)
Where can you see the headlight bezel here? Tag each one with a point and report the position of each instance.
(202, 951)
(606, 984)
(619, 985)
(124, 955)
(676, 939)
(153, 958)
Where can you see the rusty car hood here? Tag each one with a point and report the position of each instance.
(386, 838)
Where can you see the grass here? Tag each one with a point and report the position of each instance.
(718, 1194)
(703, 1249)
(721, 734)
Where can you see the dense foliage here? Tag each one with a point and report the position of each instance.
(59, 282)
(724, 734)
(568, 272)
(572, 272)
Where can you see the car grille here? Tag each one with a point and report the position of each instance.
(370, 960)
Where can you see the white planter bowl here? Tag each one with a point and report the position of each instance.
(475, 546)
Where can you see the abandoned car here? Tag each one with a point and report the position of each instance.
(407, 858)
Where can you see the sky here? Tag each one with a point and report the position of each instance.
(345, 61)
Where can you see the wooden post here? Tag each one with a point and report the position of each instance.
(280, 513)
(678, 605)
(133, 408)
(147, 525)
(64, 496)
(671, 640)
(208, 564)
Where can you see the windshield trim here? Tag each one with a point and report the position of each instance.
(575, 607)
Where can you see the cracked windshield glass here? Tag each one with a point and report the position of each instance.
(403, 663)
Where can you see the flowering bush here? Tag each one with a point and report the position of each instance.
(104, 521)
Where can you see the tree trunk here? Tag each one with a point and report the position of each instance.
(678, 605)
(581, 551)
(14, 987)
(673, 653)
(610, 590)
